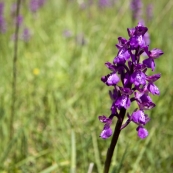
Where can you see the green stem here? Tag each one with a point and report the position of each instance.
(114, 140)
(14, 79)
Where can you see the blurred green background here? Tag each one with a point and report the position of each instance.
(60, 95)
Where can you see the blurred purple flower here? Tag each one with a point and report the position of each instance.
(19, 20)
(67, 33)
(104, 3)
(34, 5)
(41, 2)
(1, 8)
(86, 4)
(136, 6)
(149, 12)
(13, 9)
(2, 19)
(26, 35)
(2, 24)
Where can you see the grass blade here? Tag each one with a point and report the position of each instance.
(96, 153)
(73, 152)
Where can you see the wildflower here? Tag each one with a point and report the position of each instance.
(67, 33)
(130, 81)
(26, 35)
(1, 8)
(13, 9)
(2, 19)
(104, 3)
(107, 131)
(19, 20)
(136, 6)
(2, 24)
(36, 71)
(41, 2)
(149, 12)
(36, 4)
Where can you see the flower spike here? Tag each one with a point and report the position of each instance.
(130, 81)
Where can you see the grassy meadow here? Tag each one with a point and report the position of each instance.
(59, 94)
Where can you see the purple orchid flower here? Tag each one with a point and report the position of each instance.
(153, 54)
(107, 131)
(138, 78)
(130, 81)
(111, 79)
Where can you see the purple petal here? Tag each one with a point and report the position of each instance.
(146, 50)
(126, 91)
(113, 94)
(147, 119)
(122, 42)
(144, 101)
(110, 66)
(153, 78)
(153, 89)
(155, 53)
(133, 42)
(131, 31)
(113, 79)
(141, 41)
(140, 30)
(138, 117)
(140, 66)
(142, 132)
(122, 56)
(127, 80)
(149, 62)
(103, 119)
(114, 109)
(147, 38)
(138, 78)
(110, 79)
(106, 132)
(123, 102)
